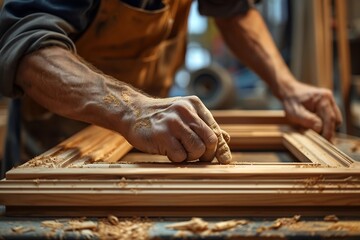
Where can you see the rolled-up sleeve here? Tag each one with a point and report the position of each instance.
(224, 8)
(26, 26)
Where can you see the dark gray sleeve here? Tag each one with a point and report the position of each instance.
(28, 25)
(224, 8)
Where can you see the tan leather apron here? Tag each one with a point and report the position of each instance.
(143, 48)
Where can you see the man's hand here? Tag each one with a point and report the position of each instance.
(181, 128)
(312, 107)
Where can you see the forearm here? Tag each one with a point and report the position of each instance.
(249, 39)
(62, 83)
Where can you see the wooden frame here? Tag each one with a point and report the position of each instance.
(83, 176)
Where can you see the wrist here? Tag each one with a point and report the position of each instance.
(284, 86)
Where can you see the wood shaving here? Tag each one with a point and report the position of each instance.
(195, 225)
(52, 224)
(226, 225)
(199, 226)
(21, 229)
(113, 220)
(278, 223)
(75, 225)
(182, 234)
(331, 218)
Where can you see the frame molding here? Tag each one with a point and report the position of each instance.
(83, 172)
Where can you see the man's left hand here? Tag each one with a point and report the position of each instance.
(314, 108)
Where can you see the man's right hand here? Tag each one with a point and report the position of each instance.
(181, 128)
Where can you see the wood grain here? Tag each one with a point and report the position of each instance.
(93, 169)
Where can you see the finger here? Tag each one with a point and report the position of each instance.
(174, 150)
(325, 110)
(205, 133)
(338, 115)
(192, 143)
(223, 153)
(226, 136)
(299, 115)
(209, 138)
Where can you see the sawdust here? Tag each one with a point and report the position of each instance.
(331, 218)
(142, 123)
(111, 99)
(110, 228)
(135, 228)
(331, 228)
(41, 161)
(125, 96)
(313, 181)
(349, 227)
(199, 226)
(309, 166)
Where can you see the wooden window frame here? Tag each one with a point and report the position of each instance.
(324, 181)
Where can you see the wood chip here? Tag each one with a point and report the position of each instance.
(122, 182)
(331, 218)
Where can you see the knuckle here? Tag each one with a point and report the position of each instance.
(326, 93)
(194, 99)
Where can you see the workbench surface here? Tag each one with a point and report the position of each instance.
(158, 228)
(256, 228)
